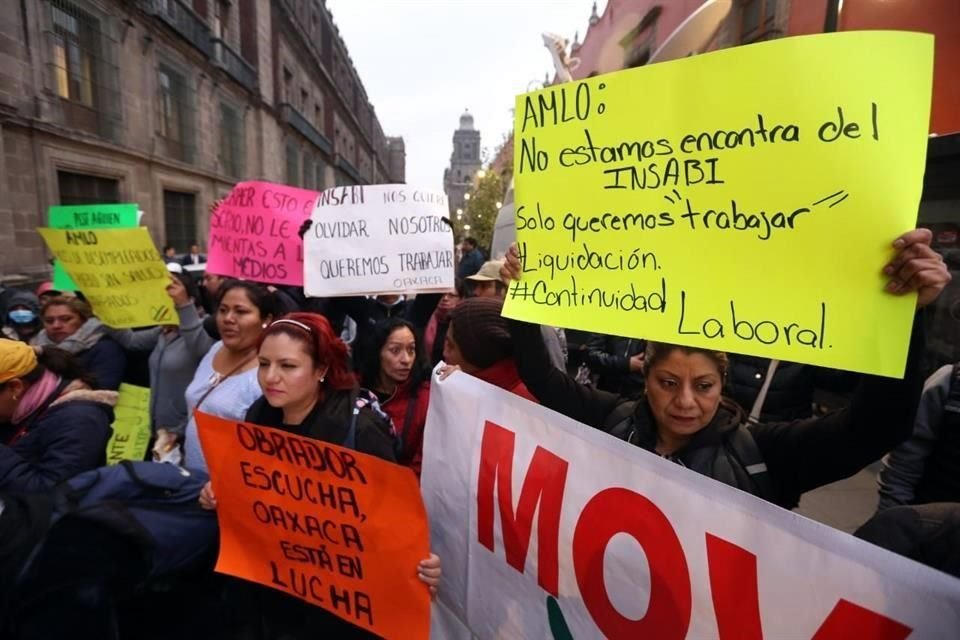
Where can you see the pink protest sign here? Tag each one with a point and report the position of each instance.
(253, 233)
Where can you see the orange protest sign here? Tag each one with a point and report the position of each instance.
(339, 529)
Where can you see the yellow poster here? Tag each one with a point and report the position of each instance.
(743, 200)
(131, 425)
(119, 271)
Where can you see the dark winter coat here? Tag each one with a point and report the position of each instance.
(368, 312)
(799, 456)
(928, 533)
(330, 422)
(609, 358)
(69, 437)
(106, 361)
(790, 396)
(282, 615)
(407, 408)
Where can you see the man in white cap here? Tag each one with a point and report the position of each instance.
(487, 283)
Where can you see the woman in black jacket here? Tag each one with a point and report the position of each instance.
(308, 389)
(684, 417)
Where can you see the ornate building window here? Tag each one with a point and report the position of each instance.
(176, 114)
(231, 140)
(75, 41)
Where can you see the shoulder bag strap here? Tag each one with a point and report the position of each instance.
(219, 382)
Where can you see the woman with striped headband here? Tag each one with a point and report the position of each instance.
(309, 389)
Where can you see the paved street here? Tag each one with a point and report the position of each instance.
(846, 504)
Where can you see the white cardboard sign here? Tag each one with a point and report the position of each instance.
(378, 239)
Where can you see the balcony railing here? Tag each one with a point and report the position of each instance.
(295, 119)
(231, 62)
(182, 19)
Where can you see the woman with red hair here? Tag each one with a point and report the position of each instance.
(308, 389)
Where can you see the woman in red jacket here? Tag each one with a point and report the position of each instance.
(396, 369)
(478, 342)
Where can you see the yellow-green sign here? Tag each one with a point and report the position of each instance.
(119, 271)
(131, 425)
(88, 216)
(743, 200)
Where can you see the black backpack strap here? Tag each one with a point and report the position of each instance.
(744, 448)
(350, 440)
(620, 422)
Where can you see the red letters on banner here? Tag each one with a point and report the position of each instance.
(542, 485)
(733, 570)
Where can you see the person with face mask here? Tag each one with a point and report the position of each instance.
(23, 316)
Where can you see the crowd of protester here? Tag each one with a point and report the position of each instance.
(356, 372)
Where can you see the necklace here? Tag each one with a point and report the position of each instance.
(216, 377)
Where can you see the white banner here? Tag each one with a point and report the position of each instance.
(386, 238)
(550, 529)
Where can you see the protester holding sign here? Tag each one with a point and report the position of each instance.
(175, 355)
(225, 383)
(54, 425)
(69, 324)
(683, 416)
(397, 370)
(308, 389)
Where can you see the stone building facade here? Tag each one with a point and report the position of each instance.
(465, 161)
(168, 103)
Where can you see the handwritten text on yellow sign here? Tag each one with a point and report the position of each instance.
(131, 425)
(119, 271)
(742, 200)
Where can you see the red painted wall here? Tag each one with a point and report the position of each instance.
(601, 52)
(939, 17)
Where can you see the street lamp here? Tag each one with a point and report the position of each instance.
(466, 227)
(499, 204)
(459, 212)
(466, 196)
(481, 173)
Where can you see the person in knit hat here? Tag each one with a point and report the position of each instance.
(52, 424)
(478, 342)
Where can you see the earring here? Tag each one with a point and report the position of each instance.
(263, 326)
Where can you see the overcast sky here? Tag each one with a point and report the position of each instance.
(423, 62)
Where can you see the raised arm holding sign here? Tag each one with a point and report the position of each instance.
(380, 239)
(88, 216)
(120, 273)
(253, 233)
(308, 498)
(688, 203)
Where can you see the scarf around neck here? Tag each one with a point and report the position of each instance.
(35, 397)
(87, 336)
